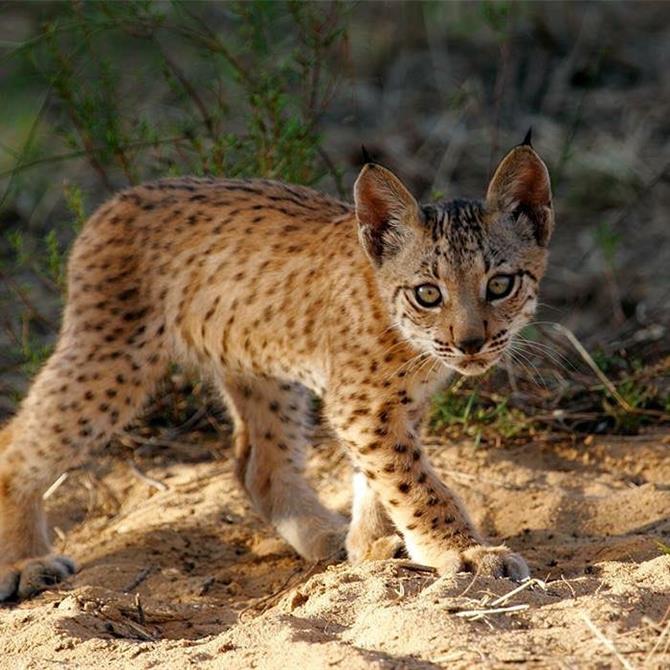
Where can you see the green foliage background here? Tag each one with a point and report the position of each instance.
(138, 90)
(102, 95)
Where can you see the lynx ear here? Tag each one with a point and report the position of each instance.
(520, 186)
(385, 211)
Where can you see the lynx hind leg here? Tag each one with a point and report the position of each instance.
(84, 393)
(271, 433)
(372, 535)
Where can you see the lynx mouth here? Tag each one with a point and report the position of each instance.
(473, 366)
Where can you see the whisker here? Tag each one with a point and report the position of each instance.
(556, 356)
(515, 362)
(408, 363)
(528, 365)
(423, 364)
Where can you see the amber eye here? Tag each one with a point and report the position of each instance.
(499, 287)
(428, 295)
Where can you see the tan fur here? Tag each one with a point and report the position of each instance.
(266, 288)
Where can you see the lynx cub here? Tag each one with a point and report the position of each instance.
(275, 291)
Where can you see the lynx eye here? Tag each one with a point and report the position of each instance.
(499, 287)
(428, 295)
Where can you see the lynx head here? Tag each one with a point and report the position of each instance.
(459, 277)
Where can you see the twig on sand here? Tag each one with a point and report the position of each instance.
(139, 608)
(529, 583)
(140, 631)
(476, 614)
(149, 481)
(468, 588)
(569, 585)
(664, 634)
(262, 604)
(499, 606)
(139, 578)
(416, 567)
(606, 642)
(55, 486)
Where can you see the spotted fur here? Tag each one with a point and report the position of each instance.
(276, 291)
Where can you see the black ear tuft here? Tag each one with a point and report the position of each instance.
(366, 156)
(527, 141)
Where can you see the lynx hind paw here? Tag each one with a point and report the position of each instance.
(486, 561)
(27, 578)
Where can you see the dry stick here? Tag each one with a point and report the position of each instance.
(529, 583)
(605, 641)
(150, 481)
(55, 486)
(139, 608)
(139, 578)
(498, 606)
(662, 634)
(141, 631)
(155, 441)
(417, 567)
(569, 335)
(601, 375)
(479, 613)
(569, 585)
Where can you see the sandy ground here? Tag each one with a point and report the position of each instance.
(190, 576)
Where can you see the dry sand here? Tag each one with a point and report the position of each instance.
(217, 589)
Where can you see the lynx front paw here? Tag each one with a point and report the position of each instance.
(486, 561)
(28, 577)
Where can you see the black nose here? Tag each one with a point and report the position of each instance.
(471, 345)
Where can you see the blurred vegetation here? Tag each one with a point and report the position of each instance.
(102, 95)
(553, 393)
(240, 111)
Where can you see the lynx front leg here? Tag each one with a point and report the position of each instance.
(436, 530)
(271, 433)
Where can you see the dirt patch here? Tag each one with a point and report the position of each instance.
(191, 577)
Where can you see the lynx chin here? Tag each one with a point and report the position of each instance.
(276, 292)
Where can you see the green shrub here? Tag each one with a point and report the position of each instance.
(137, 90)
